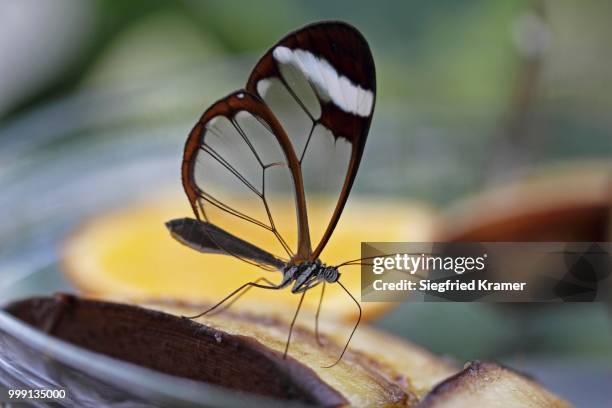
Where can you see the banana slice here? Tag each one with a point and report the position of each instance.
(490, 385)
(243, 351)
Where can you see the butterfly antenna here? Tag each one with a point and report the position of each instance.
(317, 315)
(354, 328)
(293, 324)
(359, 261)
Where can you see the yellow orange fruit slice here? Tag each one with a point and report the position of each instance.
(129, 254)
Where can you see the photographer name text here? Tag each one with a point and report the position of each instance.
(426, 285)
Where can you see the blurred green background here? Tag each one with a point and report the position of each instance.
(453, 77)
(470, 93)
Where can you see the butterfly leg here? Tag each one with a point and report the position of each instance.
(354, 328)
(247, 285)
(293, 323)
(241, 294)
(317, 315)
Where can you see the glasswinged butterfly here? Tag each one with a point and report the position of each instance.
(302, 119)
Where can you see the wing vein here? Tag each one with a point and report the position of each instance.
(206, 148)
(222, 206)
(247, 141)
(307, 142)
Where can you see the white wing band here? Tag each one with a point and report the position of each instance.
(329, 85)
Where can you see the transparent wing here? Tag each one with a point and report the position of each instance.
(320, 83)
(239, 169)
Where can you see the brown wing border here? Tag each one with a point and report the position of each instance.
(328, 39)
(229, 106)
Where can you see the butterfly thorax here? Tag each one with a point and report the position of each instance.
(308, 275)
